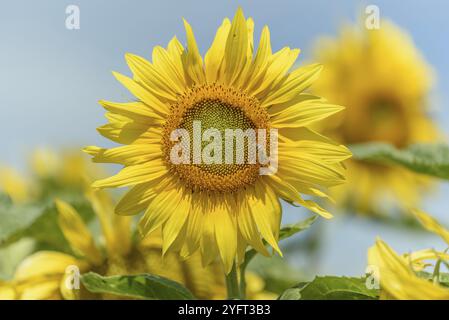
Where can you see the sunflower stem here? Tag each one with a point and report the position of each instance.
(232, 284)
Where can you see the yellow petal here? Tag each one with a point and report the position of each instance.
(43, 264)
(296, 82)
(291, 194)
(7, 291)
(194, 225)
(175, 51)
(77, 233)
(170, 70)
(150, 78)
(398, 280)
(327, 152)
(301, 133)
(116, 229)
(225, 235)
(278, 66)
(122, 129)
(266, 213)
(176, 221)
(138, 198)
(135, 174)
(159, 210)
(127, 155)
(248, 228)
(45, 290)
(208, 242)
(250, 28)
(236, 48)
(193, 62)
(301, 97)
(243, 77)
(432, 225)
(261, 61)
(304, 113)
(136, 110)
(311, 170)
(215, 54)
(426, 254)
(142, 93)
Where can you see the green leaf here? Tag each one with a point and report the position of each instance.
(277, 274)
(331, 288)
(15, 219)
(142, 286)
(291, 229)
(443, 277)
(12, 255)
(38, 221)
(430, 159)
(291, 294)
(45, 229)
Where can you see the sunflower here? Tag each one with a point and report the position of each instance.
(384, 83)
(398, 275)
(49, 172)
(218, 208)
(42, 275)
(14, 185)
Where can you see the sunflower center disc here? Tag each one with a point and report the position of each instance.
(226, 113)
(214, 114)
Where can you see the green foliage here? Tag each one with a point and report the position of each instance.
(12, 255)
(331, 288)
(38, 220)
(276, 272)
(45, 230)
(15, 220)
(429, 159)
(442, 277)
(142, 286)
(291, 229)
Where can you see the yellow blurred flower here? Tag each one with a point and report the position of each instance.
(398, 275)
(67, 169)
(45, 162)
(384, 82)
(14, 185)
(43, 275)
(7, 291)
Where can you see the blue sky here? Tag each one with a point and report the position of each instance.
(52, 77)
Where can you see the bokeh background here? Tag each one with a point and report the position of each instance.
(52, 77)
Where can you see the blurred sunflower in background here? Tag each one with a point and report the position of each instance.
(49, 172)
(384, 82)
(218, 209)
(404, 276)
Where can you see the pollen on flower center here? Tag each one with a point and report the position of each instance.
(221, 116)
(221, 108)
